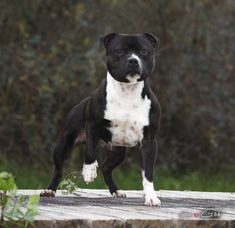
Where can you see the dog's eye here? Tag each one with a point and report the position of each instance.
(119, 52)
(143, 52)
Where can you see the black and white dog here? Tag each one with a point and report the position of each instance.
(123, 112)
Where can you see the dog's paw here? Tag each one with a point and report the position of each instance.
(89, 172)
(47, 193)
(151, 199)
(119, 194)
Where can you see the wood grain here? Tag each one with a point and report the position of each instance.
(96, 208)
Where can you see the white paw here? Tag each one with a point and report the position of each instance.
(150, 195)
(151, 199)
(89, 172)
(119, 194)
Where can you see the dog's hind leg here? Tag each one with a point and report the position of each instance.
(114, 158)
(73, 128)
(61, 153)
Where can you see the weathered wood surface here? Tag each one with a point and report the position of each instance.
(96, 208)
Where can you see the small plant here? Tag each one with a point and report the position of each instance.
(69, 183)
(15, 210)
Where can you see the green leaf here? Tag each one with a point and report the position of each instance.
(34, 200)
(29, 216)
(7, 181)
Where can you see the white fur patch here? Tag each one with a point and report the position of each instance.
(133, 79)
(89, 172)
(127, 111)
(149, 193)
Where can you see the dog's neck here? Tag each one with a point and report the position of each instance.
(131, 90)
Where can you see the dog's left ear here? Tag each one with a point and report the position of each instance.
(104, 40)
(153, 39)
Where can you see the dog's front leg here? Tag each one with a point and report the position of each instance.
(90, 165)
(148, 157)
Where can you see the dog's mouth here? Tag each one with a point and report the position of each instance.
(133, 76)
(132, 73)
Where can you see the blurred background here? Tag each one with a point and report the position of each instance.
(50, 59)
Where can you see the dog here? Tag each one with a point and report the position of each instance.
(122, 112)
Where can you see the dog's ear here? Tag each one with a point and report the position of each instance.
(104, 40)
(153, 39)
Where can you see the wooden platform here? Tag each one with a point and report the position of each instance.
(96, 208)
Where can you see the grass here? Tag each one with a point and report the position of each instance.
(28, 177)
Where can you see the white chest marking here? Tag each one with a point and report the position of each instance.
(127, 111)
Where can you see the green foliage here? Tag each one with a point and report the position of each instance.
(130, 179)
(6, 181)
(37, 178)
(50, 59)
(15, 210)
(197, 180)
(69, 183)
(127, 176)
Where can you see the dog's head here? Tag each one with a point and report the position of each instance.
(130, 58)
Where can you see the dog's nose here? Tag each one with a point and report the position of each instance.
(133, 62)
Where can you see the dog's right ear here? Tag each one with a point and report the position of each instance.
(104, 40)
(153, 39)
